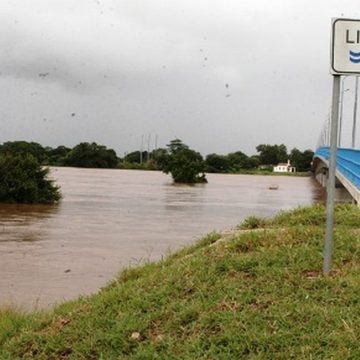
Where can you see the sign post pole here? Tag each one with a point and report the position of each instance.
(355, 112)
(331, 178)
(345, 60)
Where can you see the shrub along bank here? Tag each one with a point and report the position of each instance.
(256, 293)
(24, 180)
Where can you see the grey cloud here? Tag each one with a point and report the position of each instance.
(132, 67)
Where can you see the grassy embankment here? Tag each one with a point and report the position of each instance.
(255, 293)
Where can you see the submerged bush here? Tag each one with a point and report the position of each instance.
(185, 165)
(24, 180)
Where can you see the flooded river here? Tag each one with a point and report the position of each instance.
(109, 219)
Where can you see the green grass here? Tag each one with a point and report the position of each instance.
(257, 293)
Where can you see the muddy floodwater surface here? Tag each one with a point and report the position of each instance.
(110, 219)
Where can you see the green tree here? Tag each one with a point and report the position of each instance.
(184, 164)
(272, 154)
(253, 161)
(301, 160)
(238, 160)
(136, 157)
(91, 155)
(233, 162)
(57, 156)
(217, 163)
(159, 158)
(24, 180)
(307, 160)
(24, 147)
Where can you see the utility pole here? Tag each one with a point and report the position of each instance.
(141, 149)
(355, 113)
(148, 147)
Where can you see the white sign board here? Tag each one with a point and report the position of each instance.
(345, 46)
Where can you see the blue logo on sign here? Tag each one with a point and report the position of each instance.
(354, 57)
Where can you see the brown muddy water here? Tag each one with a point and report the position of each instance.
(110, 219)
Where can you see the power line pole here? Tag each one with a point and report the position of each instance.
(148, 147)
(141, 149)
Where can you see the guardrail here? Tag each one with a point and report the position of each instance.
(347, 162)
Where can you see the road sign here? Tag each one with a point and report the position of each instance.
(345, 47)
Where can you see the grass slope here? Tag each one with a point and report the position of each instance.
(257, 293)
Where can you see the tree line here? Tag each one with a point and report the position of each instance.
(23, 178)
(267, 156)
(93, 155)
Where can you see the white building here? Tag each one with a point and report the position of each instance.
(284, 167)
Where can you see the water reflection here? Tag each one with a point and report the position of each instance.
(25, 222)
(179, 197)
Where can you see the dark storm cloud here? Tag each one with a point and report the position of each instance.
(32, 61)
(222, 76)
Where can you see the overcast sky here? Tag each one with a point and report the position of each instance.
(220, 75)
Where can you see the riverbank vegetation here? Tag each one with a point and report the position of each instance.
(24, 180)
(253, 293)
(93, 155)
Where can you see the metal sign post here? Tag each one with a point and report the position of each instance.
(331, 180)
(355, 112)
(345, 59)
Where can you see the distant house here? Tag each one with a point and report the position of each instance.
(284, 167)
